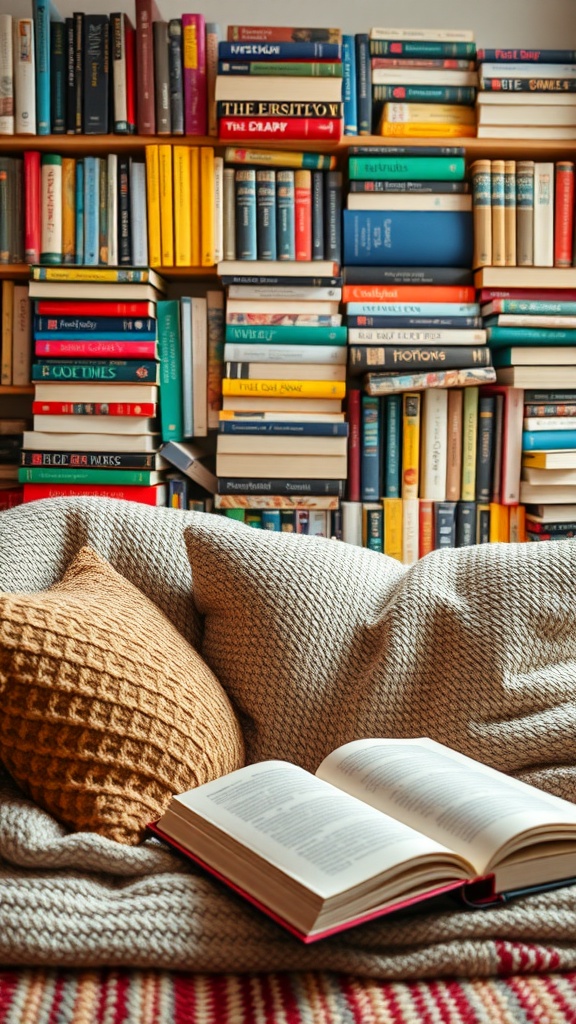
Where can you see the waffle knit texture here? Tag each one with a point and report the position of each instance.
(105, 709)
(474, 647)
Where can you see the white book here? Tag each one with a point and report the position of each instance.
(550, 458)
(407, 336)
(521, 99)
(21, 336)
(549, 423)
(283, 306)
(428, 35)
(112, 205)
(537, 132)
(528, 320)
(434, 448)
(24, 77)
(552, 494)
(352, 522)
(278, 268)
(544, 214)
(527, 70)
(285, 371)
(280, 417)
(51, 209)
(280, 291)
(261, 403)
(290, 467)
(82, 424)
(138, 217)
(552, 514)
(410, 530)
(6, 75)
(268, 444)
(423, 76)
(401, 201)
(187, 366)
(229, 205)
(550, 477)
(200, 364)
(118, 63)
(276, 353)
(318, 523)
(44, 441)
(248, 88)
(536, 116)
(95, 392)
(66, 290)
(218, 209)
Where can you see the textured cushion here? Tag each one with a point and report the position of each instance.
(105, 709)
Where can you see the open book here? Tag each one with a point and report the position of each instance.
(381, 825)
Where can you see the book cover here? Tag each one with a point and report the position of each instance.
(399, 237)
(176, 76)
(207, 193)
(96, 72)
(469, 443)
(24, 59)
(169, 340)
(161, 79)
(411, 413)
(146, 13)
(195, 74)
(57, 77)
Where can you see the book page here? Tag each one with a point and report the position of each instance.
(314, 832)
(461, 803)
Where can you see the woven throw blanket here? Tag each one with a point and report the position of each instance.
(491, 630)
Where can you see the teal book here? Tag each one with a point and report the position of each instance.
(407, 168)
(506, 336)
(371, 449)
(289, 335)
(393, 451)
(543, 440)
(67, 475)
(106, 370)
(171, 413)
(541, 306)
(79, 245)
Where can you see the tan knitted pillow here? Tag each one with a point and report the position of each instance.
(105, 709)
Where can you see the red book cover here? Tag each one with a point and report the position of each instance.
(425, 527)
(195, 74)
(303, 214)
(32, 214)
(146, 13)
(94, 408)
(49, 307)
(151, 495)
(11, 496)
(130, 57)
(408, 293)
(564, 213)
(247, 129)
(98, 349)
(353, 417)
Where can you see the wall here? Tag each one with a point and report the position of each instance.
(525, 23)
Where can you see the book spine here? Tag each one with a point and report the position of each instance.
(69, 475)
(32, 210)
(112, 208)
(363, 83)
(510, 213)
(161, 78)
(303, 214)
(318, 249)
(24, 59)
(91, 208)
(106, 326)
(543, 214)
(182, 204)
(423, 48)
(41, 16)
(78, 18)
(410, 530)
(498, 214)
(275, 353)
(123, 206)
(68, 210)
(103, 210)
(195, 219)
(79, 206)
(285, 218)
(377, 328)
(437, 238)
(409, 187)
(213, 36)
(176, 76)
(454, 444)
(541, 440)
(195, 75)
(146, 116)
(469, 444)
(215, 352)
(96, 60)
(525, 213)
(246, 215)
(274, 33)
(290, 335)
(564, 213)
(392, 475)
(171, 422)
(134, 370)
(457, 95)
(187, 366)
(207, 226)
(465, 524)
(166, 204)
(406, 168)
(333, 216)
(371, 449)
(354, 424)
(281, 486)
(142, 409)
(372, 526)
(393, 527)
(314, 161)
(131, 74)
(5, 211)
(7, 332)
(51, 183)
(21, 337)
(229, 204)
(153, 205)
(97, 349)
(118, 67)
(92, 461)
(362, 358)
(485, 447)
(537, 83)
(58, 77)
(144, 495)
(425, 527)
(349, 89)
(411, 405)
(246, 129)
(445, 524)
(285, 388)
(433, 456)
(265, 214)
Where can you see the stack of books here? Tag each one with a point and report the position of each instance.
(423, 82)
(279, 83)
(15, 335)
(282, 440)
(96, 372)
(527, 94)
(523, 213)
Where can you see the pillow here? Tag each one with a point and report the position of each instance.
(319, 642)
(105, 709)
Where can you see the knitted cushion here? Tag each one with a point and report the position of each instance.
(105, 709)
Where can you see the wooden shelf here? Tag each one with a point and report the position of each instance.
(6, 389)
(15, 271)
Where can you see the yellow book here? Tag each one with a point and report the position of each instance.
(421, 130)
(499, 523)
(469, 442)
(411, 403)
(517, 520)
(285, 388)
(208, 205)
(95, 275)
(279, 158)
(195, 206)
(7, 330)
(428, 113)
(153, 206)
(68, 209)
(182, 207)
(481, 179)
(393, 527)
(166, 205)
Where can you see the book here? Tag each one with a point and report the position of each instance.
(154, 494)
(188, 459)
(322, 371)
(537, 376)
(82, 289)
(364, 358)
(316, 467)
(438, 238)
(525, 277)
(541, 440)
(389, 383)
(92, 460)
(407, 795)
(81, 475)
(93, 424)
(552, 494)
(284, 388)
(67, 442)
(247, 444)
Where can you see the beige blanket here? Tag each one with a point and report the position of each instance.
(316, 642)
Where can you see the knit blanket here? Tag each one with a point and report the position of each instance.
(495, 623)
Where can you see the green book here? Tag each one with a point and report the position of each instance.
(504, 336)
(59, 475)
(407, 168)
(288, 335)
(298, 69)
(169, 343)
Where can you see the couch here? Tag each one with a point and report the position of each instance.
(314, 642)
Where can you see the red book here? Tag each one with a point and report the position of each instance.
(195, 74)
(408, 293)
(95, 408)
(146, 13)
(425, 527)
(303, 214)
(423, 62)
(512, 426)
(98, 349)
(32, 213)
(49, 307)
(251, 129)
(154, 494)
(353, 417)
(563, 213)
(537, 294)
(130, 57)
(11, 496)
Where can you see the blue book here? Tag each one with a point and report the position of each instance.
(187, 366)
(271, 519)
(349, 94)
(485, 446)
(318, 215)
(438, 238)
(91, 208)
(506, 336)
(266, 214)
(371, 449)
(363, 83)
(279, 51)
(466, 516)
(333, 184)
(177, 492)
(393, 460)
(286, 242)
(138, 215)
(43, 12)
(171, 413)
(246, 222)
(138, 371)
(542, 440)
(298, 428)
(416, 308)
(111, 327)
(79, 254)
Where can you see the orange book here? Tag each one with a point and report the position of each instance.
(408, 293)
(425, 527)
(564, 213)
(499, 523)
(303, 214)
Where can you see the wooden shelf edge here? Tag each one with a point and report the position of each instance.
(11, 389)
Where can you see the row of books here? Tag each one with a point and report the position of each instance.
(527, 94)
(523, 213)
